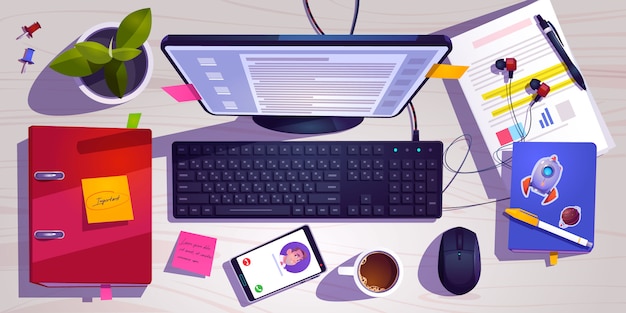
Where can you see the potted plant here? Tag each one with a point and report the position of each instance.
(112, 62)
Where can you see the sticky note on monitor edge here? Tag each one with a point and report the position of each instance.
(182, 93)
(447, 71)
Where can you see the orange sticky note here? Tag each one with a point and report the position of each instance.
(107, 199)
(446, 71)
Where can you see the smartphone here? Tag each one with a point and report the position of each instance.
(279, 264)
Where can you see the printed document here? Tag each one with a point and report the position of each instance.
(501, 105)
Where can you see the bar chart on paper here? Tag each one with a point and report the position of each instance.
(506, 108)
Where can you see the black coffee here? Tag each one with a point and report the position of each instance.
(378, 271)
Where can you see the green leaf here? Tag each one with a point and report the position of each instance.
(116, 77)
(125, 54)
(73, 63)
(134, 29)
(95, 52)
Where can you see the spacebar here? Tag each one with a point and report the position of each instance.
(253, 210)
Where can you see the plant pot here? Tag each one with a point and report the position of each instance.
(139, 69)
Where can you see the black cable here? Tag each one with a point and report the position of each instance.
(317, 28)
(355, 15)
(412, 115)
(309, 14)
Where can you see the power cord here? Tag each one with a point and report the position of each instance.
(468, 139)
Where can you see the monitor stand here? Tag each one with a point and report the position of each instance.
(307, 125)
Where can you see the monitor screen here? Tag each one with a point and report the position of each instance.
(305, 75)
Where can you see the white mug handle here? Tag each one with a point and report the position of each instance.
(346, 270)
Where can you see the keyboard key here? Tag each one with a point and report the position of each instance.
(420, 164)
(327, 187)
(298, 210)
(378, 210)
(310, 150)
(181, 210)
(366, 199)
(256, 210)
(366, 210)
(181, 150)
(401, 210)
(353, 210)
(432, 204)
(272, 150)
(322, 198)
(189, 187)
(192, 198)
(182, 165)
(366, 150)
(322, 210)
(258, 150)
(379, 150)
(207, 210)
(432, 183)
(323, 150)
(335, 210)
(194, 210)
(185, 176)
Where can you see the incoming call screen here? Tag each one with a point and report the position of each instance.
(278, 264)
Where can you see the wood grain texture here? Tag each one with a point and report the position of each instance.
(509, 283)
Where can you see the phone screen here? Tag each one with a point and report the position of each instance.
(278, 264)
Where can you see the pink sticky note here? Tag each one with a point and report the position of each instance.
(194, 253)
(183, 93)
(105, 292)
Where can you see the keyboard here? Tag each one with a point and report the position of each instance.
(307, 179)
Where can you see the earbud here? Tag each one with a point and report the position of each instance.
(510, 64)
(542, 88)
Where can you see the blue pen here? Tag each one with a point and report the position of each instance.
(556, 42)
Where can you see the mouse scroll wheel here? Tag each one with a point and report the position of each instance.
(459, 240)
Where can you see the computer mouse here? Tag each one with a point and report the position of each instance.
(459, 260)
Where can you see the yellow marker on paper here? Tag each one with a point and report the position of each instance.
(446, 71)
(520, 84)
(526, 100)
(107, 199)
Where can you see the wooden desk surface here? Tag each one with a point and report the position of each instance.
(509, 282)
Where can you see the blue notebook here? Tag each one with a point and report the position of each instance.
(556, 181)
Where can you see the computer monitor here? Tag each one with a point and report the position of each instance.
(305, 83)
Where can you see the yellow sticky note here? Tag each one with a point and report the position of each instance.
(447, 71)
(107, 199)
(554, 258)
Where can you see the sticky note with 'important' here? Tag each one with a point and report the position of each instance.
(107, 199)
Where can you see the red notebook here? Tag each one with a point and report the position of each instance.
(90, 194)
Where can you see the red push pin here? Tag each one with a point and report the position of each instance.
(28, 31)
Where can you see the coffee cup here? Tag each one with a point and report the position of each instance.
(376, 272)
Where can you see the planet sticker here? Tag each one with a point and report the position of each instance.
(570, 216)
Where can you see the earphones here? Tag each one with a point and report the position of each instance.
(509, 64)
(542, 89)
